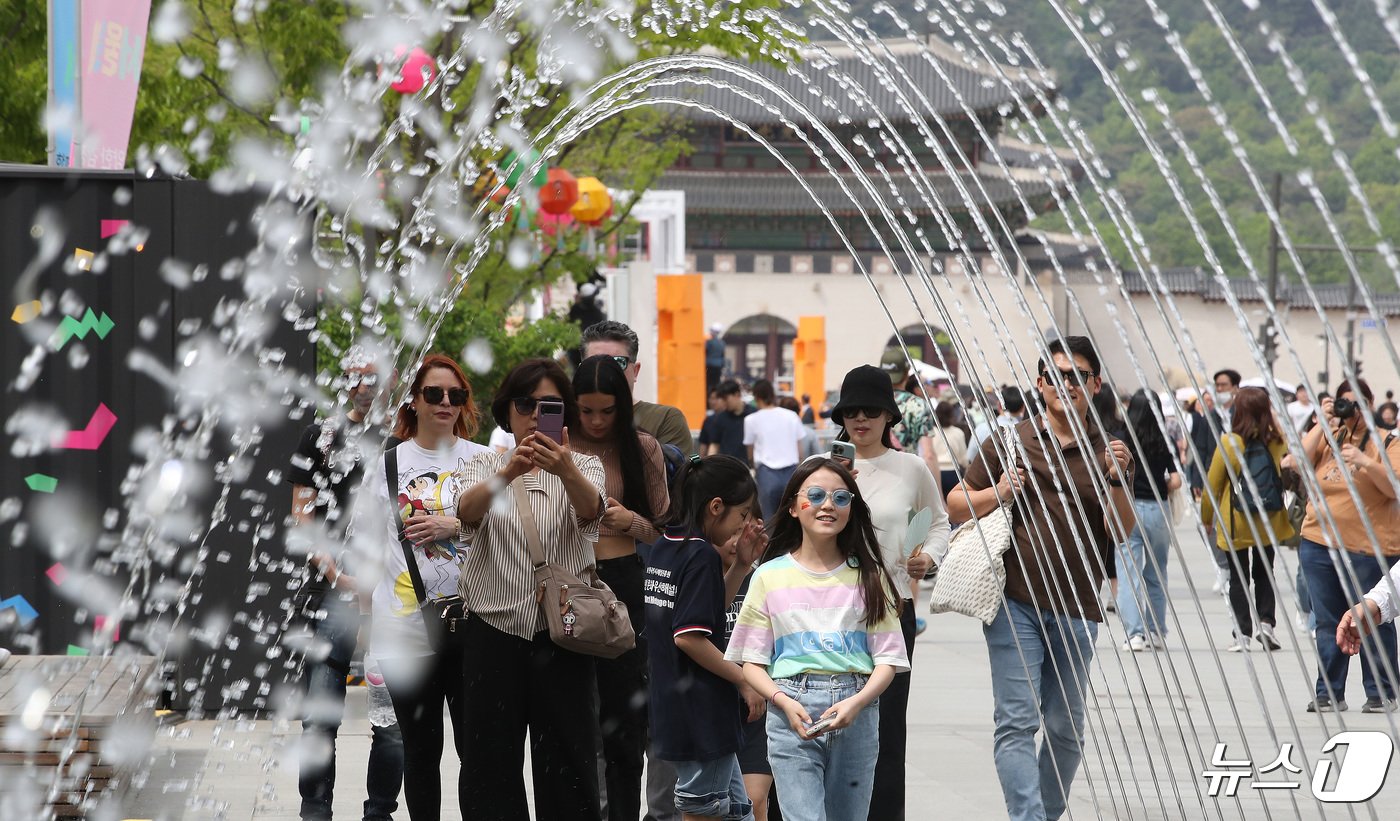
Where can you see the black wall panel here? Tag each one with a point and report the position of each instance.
(191, 223)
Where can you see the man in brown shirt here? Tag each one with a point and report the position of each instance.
(1063, 534)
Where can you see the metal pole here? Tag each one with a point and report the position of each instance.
(1351, 323)
(1271, 346)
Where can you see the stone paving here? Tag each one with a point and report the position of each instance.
(1154, 721)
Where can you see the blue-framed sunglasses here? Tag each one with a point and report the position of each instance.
(817, 496)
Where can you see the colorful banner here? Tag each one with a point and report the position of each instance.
(63, 77)
(114, 42)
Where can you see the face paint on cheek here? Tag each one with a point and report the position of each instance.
(806, 505)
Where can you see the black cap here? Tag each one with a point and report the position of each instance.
(866, 387)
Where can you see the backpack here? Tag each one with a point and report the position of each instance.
(1259, 466)
(673, 458)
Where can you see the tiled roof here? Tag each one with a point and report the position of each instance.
(813, 82)
(1198, 281)
(748, 192)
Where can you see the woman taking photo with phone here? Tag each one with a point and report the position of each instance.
(1338, 552)
(425, 471)
(898, 487)
(517, 679)
(822, 586)
(635, 476)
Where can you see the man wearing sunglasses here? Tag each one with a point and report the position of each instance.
(324, 470)
(1069, 492)
(620, 342)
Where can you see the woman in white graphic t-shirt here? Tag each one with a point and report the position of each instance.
(436, 426)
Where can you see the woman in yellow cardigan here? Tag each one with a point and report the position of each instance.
(1249, 535)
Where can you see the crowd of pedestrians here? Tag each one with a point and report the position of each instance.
(772, 588)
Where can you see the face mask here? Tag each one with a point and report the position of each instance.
(1224, 397)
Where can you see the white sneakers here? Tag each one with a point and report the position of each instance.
(1266, 637)
(1137, 644)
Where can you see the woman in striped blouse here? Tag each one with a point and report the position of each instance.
(516, 678)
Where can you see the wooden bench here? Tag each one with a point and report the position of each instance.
(57, 720)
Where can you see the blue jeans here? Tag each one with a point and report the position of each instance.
(1333, 589)
(713, 789)
(321, 715)
(1040, 667)
(1142, 572)
(830, 777)
(771, 482)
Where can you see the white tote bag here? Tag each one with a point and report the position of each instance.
(972, 577)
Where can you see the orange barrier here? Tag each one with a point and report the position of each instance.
(680, 345)
(809, 360)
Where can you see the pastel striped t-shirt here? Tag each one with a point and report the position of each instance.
(798, 621)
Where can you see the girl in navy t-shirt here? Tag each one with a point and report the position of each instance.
(699, 701)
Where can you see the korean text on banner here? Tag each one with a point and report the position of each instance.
(114, 42)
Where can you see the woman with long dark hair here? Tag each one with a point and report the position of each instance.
(1245, 515)
(1142, 559)
(436, 426)
(819, 637)
(636, 502)
(897, 487)
(518, 680)
(949, 447)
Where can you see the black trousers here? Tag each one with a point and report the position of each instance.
(1253, 563)
(419, 687)
(622, 695)
(515, 685)
(887, 799)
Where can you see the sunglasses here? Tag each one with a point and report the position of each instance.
(817, 496)
(622, 362)
(354, 380)
(867, 413)
(432, 394)
(1073, 377)
(525, 405)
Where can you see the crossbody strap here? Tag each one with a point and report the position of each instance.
(527, 521)
(391, 479)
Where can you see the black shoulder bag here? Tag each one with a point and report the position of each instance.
(440, 616)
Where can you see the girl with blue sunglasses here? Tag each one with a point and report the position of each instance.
(819, 636)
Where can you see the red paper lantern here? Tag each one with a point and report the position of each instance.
(559, 192)
(552, 224)
(417, 71)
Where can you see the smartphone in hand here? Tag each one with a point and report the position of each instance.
(551, 422)
(820, 726)
(844, 451)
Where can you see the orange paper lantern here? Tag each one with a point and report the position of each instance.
(559, 192)
(593, 201)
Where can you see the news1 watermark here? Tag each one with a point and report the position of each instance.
(1365, 761)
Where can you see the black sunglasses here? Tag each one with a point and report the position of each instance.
(1073, 376)
(868, 413)
(525, 405)
(432, 394)
(622, 362)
